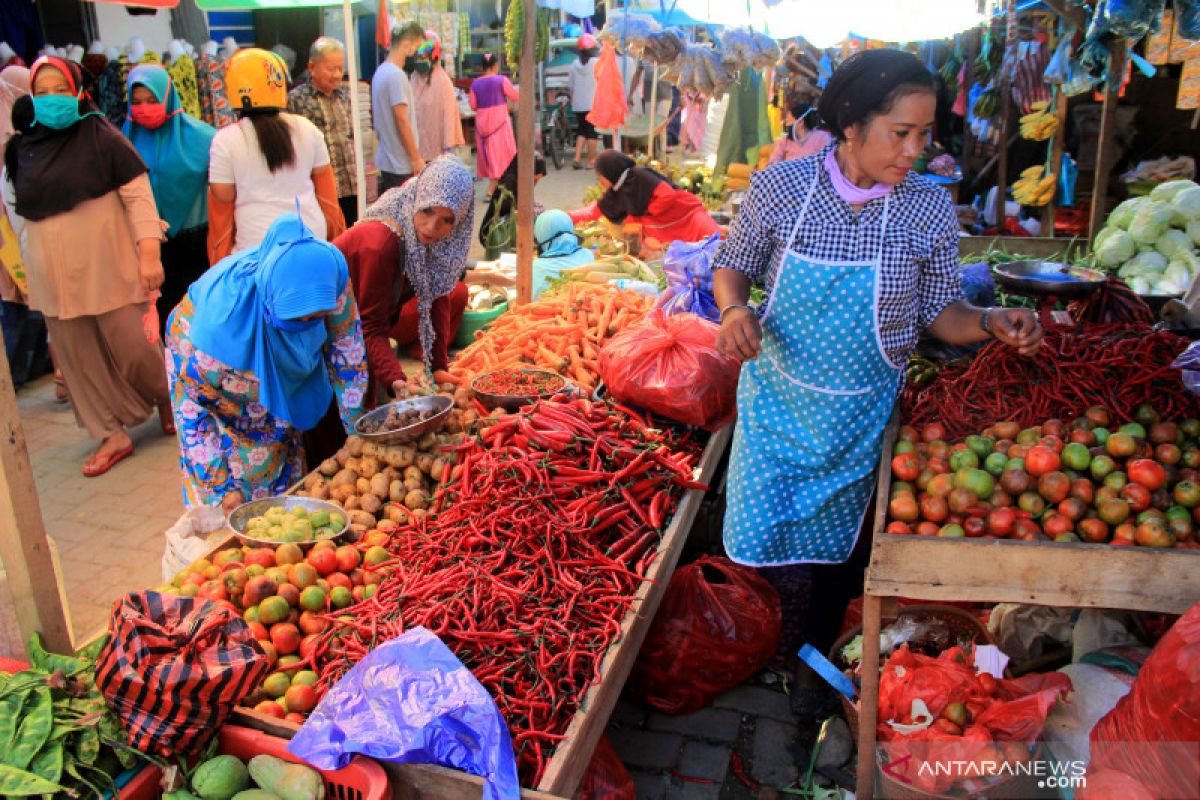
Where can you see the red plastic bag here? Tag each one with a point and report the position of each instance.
(717, 626)
(608, 104)
(1108, 784)
(606, 777)
(174, 668)
(670, 366)
(1153, 733)
(1007, 721)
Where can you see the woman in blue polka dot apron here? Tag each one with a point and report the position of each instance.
(857, 255)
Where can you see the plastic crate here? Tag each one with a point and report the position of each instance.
(361, 779)
(474, 321)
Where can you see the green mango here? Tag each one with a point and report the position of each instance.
(287, 780)
(220, 778)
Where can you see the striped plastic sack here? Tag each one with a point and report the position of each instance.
(174, 668)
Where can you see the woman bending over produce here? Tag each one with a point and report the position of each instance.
(642, 196)
(256, 351)
(406, 258)
(857, 254)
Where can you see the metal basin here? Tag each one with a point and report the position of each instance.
(1049, 278)
(436, 402)
(241, 516)
(512, 402)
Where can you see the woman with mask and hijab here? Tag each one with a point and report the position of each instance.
(639, 195)
(802, 133)
(93, 237)
(857, 254)
(256, 352)
(558, 248)
(439, 126)
(175, 148)
(407, 256)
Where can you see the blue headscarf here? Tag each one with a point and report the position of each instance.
(247, 315)
(176, 153)
(554, 233)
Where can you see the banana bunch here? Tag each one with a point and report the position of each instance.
(514, 34)
(1035, 187)
(987, 105)
(1040, 124)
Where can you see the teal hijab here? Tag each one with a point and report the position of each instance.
(176, 153)
(247, 315)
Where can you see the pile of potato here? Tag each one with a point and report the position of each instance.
(371, 481)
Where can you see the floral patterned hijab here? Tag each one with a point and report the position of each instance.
(432, 270)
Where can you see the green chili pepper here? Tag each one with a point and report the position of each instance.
(19, 783)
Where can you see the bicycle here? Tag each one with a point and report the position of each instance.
(556, 130)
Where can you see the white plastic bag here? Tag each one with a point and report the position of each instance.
(193, 534)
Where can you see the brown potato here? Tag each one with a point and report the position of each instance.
(355, 446)
(396, 514)
(370, 503)
(413, 485)
(417, 499)
(310, 480)
(354, 463)
(411, 473)
(339, 492)
(371, 449)
(363, 518)
(392, 474)
(438, 469)
(320, 491)
(379, 486)
(388, 525)
(369, 466)
(302, 493)
(357, 531)
(425, 463)
(428, 441)
(344, 477)
(401, 457)
(396, 491)
(362, 486)
(342, 456)
(329, 467)
(352, 502)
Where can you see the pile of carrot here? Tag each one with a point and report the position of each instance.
(561, 331)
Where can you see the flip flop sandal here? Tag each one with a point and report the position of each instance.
(100, 467)
(167, 423)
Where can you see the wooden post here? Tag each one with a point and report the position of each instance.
(351, 49)
(1008, 68)
(1108, 123)
(27, 555)
(1056, 157)
(868, 698)
(525, 155)
(650, 137)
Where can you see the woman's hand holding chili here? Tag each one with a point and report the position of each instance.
(741, 334)
(1017, 327)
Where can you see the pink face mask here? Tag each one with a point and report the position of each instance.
(846, 190)
(149, 115)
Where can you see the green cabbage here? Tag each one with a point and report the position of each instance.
(1151, 221)
(1173, 242)
(1139, 284)
(1190, 260)
(1187, 203)
(1176, 279)
(1151, 262)
(1165, 192)
(1115, 249)
(1193, 230)
(1123, 214)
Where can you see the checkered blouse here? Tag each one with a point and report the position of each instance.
(920, 255)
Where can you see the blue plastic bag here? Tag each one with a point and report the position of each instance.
(411, 701)
(1068, 175)
(688, 268)
(1189, 362)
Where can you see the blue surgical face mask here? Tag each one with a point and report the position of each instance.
(58, 111)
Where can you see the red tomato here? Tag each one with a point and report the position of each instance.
(308, 645)
(348, 558)
(974, 527)
(1041, 460)
(270, 708)
(926, 528)
(286, 638)
(296, 717)
(1056, 524)
(1000, 522)
(934, 508)
(1137, 495)
(904, 508)
(1146, 472)
(258, 629)
(301, 698)
(934, 432)
(1026, 530)
(899, 528)
(324, 560)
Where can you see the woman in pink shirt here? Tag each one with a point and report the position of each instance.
(802, 134)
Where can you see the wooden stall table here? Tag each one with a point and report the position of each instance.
(1002, 571)
(566, 769)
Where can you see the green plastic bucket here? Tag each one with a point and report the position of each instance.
(475, 321)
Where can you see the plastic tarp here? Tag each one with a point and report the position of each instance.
(411, 701)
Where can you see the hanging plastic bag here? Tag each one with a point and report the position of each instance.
(1131, 19)
(717, 626)
(1068, 174)
(174, 668)
(606, 777)
(608, 104)
(670, 366)
(411, 701)
(688, 269)
(1153, 733)
(1187, 18)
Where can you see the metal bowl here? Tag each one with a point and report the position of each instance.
(241, 516)
(435, 402)
(1049, 278)
(512, 402)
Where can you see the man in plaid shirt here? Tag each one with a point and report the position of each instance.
(325, 102)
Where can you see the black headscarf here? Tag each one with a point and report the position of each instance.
(863, 82)
(632, 186)
(55, 170)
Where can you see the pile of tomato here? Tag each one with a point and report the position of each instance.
(1065, 481)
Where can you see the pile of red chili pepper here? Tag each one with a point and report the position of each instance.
(514, 382)
(1115, 366)
(530, 561)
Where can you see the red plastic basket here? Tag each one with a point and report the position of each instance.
(361, 779)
